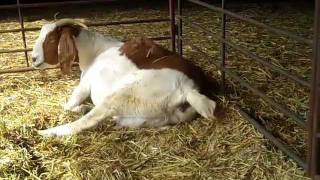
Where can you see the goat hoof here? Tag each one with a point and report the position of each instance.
(83, 108)
(56, 131)
(66, 107)
(45, 133)
(116, 119)
(118, 122)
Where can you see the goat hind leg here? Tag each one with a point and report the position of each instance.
(139, 121)
(128, 121)
(179, 116)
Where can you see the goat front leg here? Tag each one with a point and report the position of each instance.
(79, 94)
(91, 119)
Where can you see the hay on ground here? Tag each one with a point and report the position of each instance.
(228, 148)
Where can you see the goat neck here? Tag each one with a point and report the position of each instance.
(92, 44)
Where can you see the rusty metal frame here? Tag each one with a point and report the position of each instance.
(22, 29)
(176, 20)
(312, 162)
(172, 7)
(314, 124)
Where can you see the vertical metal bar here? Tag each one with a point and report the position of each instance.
(223, 46)
(172, 24)
(22, 31)
(313, 121)
(179, 6)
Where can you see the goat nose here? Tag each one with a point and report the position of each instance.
(34, 59)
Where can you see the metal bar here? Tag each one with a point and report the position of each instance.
(278, 143)
(254, 57)
(17, 70)
(30, 49)
(161, 38)
(179, 26)
(172, 24)
(313, 121)
(223, 45)
(252, 21)
(4, 71)
(23, 33)
(299, 120)
(15, 50)
(26, 69)
(51, 4)
(19, 29)
(128, 22)
(104, 23)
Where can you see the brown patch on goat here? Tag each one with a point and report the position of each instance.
(59, 47)
(50, 47)
(67, 50)
(146, 54)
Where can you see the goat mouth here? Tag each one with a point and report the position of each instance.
(44, 65)
(37, 66)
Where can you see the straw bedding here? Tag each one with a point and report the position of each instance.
(226, 148)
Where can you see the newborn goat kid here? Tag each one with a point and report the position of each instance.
(133, 97)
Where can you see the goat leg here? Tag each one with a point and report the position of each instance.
(91, 119)
(79, 94)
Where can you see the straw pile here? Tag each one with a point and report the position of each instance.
(228, 148)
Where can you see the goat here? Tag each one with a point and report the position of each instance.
(118, 88)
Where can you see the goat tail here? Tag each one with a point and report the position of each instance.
(201, 103)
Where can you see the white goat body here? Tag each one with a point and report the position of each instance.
(133, 97)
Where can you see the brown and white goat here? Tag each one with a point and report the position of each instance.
(119, 88)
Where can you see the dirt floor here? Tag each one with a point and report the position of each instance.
(227, 148)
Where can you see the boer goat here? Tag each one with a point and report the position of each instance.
(133, 97)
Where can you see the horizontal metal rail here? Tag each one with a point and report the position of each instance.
(278, 143)
(93, 24)
(252, 21)
(129, 22)
(30, 49)
(299, 120)
(252, 56)
(19, 30)
(15, 50)
(51, 4)
(25, 69)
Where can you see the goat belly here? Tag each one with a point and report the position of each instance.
(148, 93)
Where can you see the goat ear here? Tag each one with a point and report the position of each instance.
(50, 47)
(139, 40)
(156, 51)
(67, 51)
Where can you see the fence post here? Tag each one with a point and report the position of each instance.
(179, 28)
(172, 24)
(22, 31)
(314, 117)
(223, 45)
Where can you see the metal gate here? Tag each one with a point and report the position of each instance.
(312, 162)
